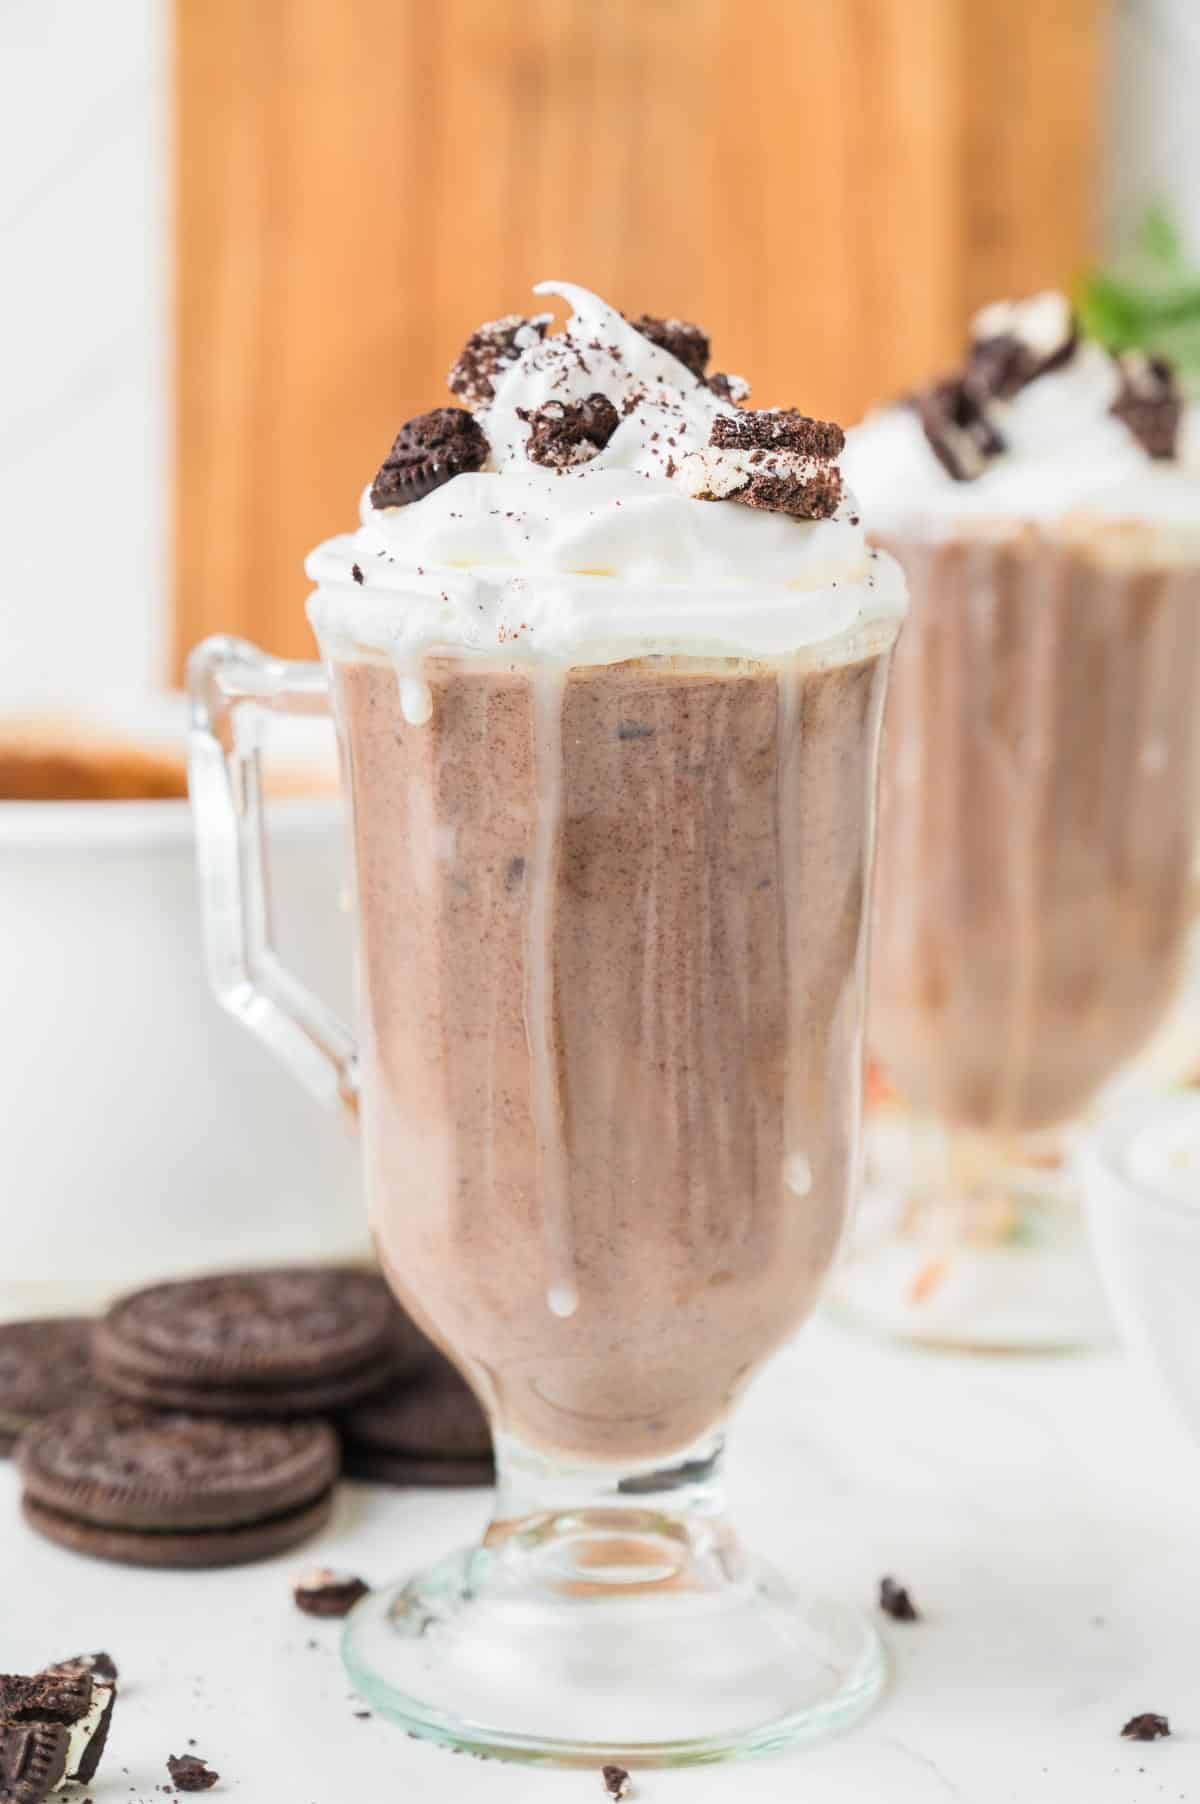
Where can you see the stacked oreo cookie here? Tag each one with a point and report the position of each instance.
(206, 1422)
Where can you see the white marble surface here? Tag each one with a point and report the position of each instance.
(1043, 1514)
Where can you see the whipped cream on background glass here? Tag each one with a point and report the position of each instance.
(601, 560)
(1064, 452)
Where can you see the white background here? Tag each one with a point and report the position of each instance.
(84, 311)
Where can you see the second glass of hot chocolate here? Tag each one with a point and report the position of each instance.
(1039, 812)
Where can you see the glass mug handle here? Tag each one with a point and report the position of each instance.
(233, 687)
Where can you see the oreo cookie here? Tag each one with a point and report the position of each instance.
(428, 452)
(162, 1489)
(734, 389)
(44, 1366)
(562, 433)
(431, 1431)
(680, 337)
(1015, 342)
(778, 429)
(778, 459)
(261, 1343)
(957, 428)
(75, 1697)
(1149, 403)
(489, 351)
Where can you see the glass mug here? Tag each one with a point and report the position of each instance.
(1039, 816)
(611, 928)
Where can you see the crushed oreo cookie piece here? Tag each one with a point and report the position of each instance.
(680, 337)
(323, 1592)
(493, 348)
(1015, 342)
(429, 450)
(816, 496)
(957, 427)
(1149, 403)
(562, 433)
(895, 1602)
(1149, 1726)
(190, 1773)
(734, 389)
(356, 573)
(616, 1780)
(75, 1697)
(783, 482)
(777, 429)
(33, 1761)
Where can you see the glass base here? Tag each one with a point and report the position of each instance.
(968, 1247)
(627, 1633)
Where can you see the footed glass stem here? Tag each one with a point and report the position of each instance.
(611, 1615)
(969, 1244)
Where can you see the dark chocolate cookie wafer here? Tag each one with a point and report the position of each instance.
(430, 1431)
(270, 1343)
(175, 1490)
(33, 1761)
(44, 1366)
(77, 1695)
(181, 1552)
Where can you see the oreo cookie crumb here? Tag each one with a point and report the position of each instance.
(895, 1602)
(190, 1773)
(778, 429)
(1149, 403)
(816, 496)
(491, 349)
(687, 342)
(364, 1716)
(562, 433)
(323, 1592)
(1015, 342)
(429, 451)
(999, 368)
(616, 1779)
(734, 389)
(957, 428)
(357, 574)
(33, 1761)
(1149, 1726)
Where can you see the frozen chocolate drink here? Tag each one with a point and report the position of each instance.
(1040, 792)
(608, 656)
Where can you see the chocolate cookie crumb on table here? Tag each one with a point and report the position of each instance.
(1149, 1726)
(323, 1592)
(895, 1602)
(190, 1773)
(616, 1779)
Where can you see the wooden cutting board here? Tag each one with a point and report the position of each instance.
(830, 186)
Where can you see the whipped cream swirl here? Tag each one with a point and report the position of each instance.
(1064, 452)
(603, 559)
